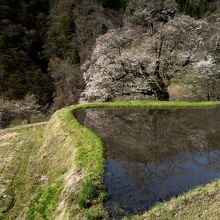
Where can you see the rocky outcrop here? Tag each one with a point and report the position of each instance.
(156, 47)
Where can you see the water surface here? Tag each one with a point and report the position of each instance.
(154, 154)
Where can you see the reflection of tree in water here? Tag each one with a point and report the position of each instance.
(213, 161)
(151, 135)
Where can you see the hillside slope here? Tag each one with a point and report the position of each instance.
(102, 50)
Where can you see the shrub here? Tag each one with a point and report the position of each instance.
(22, 110)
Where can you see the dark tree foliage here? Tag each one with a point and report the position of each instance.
(195, 8)
(23, 68)
(60, 34)
(114, 4)
(33, 33)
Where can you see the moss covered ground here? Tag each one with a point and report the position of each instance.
(55, 171)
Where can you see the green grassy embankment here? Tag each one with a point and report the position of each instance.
(18, 147)
(61, 173)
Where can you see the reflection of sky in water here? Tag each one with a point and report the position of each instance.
(153, 155)
(133, 184)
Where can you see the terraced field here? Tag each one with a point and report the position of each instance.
(55, 170)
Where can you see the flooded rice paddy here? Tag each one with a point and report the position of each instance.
(153, 155)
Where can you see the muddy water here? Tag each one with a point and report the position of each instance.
(153, 155)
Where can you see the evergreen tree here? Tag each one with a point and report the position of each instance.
(23, 67)
(197, 9)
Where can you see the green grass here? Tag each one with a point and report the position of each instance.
(43, 205)
(146, 104)
(71, 159)
(87, 192)
(17, 151)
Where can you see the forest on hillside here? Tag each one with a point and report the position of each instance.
(197, 9)
(31, 33)
(43, 44)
